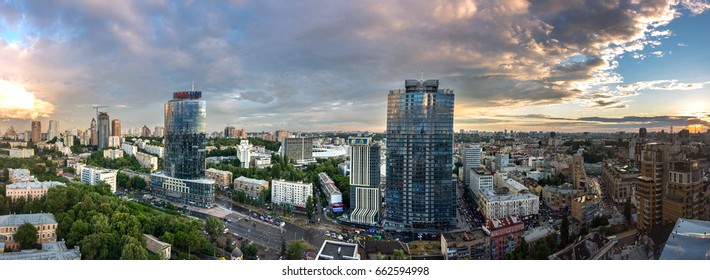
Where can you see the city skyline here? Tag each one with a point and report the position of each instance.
(549, 66)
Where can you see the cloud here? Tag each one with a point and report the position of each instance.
(18, 103)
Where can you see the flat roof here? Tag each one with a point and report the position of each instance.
(335, 250)
(33, 185)
(50, 251)
(250, 180)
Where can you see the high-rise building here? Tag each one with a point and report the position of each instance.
(471, 156)
(229, 132)
(104, 130)
(281, 134)
(420, 194)
(68, 138)
(502, 160)
(242, 133)
(684, 197)
(244, 153)
(94, 135)
(653, 182)
(145, 131)
(297, 149)
(53, 130)
(185, 139)
(579, 177)
(642, 132)
(36, 132)
(116, 127)
(365, 198)
(159, 131)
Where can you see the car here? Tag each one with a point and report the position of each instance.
(226, 230)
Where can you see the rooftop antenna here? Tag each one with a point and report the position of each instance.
(422, 74)
(193, 85)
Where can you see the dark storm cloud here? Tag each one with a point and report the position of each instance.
(309, 64)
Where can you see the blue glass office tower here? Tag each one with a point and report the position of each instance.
(420, 195)
(183, 179)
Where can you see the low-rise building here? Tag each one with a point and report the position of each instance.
(473, 245)
(505, 235)
(129, 149)
(262, 161)
(290, 193)
(332, 194)
(45, 224)
(155, 246)
(154, 150)
(147, 161)
(593, 246)
(20, 175)
(585, 208)
(21, 153)
(559, 198)
(335, 250)
(220, 177)
(252, 187)
(499, 204)
(29, 189)
(381, 249)
(113, 154)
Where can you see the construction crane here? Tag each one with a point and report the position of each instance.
(97, 110)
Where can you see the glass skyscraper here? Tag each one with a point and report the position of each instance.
(183, 179)
(420, 195)
(104, 130)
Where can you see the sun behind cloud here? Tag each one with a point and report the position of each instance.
(18, 103)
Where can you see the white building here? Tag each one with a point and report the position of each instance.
(481, 180)
(261, 162)
(113, 154)
(114, 141)
(68, 138)
(471, 157)
(93, 175)
(154, 150)
(291, 193)
(244, 153)
(502, 160)
(147, 161)
(129, 149)
(332, 194)
(498, 206)
(21, 153)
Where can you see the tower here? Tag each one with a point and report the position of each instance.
(365, 198)
(103, 130)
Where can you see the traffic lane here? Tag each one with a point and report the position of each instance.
(265, 236)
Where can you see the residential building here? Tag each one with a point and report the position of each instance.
(145, 131)
(155, 246)
(103, 130)
(471, 245)
(332, 194)
(579, 177)
(114, 141)
(619, 180)
(113, 154)
(183, 180)
(505, 235)
(481, 180)
(684, 196)
(158, 131)
(29, 189)
(502, 160)
(262, 161)
(381, 249)
(559, 198)
(252, 187)
(244, 153)
(365, 198)
(297, 148)
(21, 153)
(585, 208)
(290, 193)
(93, 175)
(154, 150)
(420, 194)
(282, 134)
(129, 149)
(147, 160)
(230, 131)
(499, 203)
(45, 224)
(653, 182)
(53, 131)
(593, 246)
(335, 250)
(471, 157)
(50, 251)
(36, 135)
(241, 133)
(221, 177)
(68, 138)
(116, 128)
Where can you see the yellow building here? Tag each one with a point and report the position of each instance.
(45, 224)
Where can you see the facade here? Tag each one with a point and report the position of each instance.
(502, 160)
(220, 177)
(244, 153)
(505, 235)
(684, 197)
(252, 187)
(290, 193)
(29, 189)
(94, 135)
(619, 180)
(471, 157)
(68, 138)
(53, 131)
(579, 177)
(332, 194)
(585, 208)
(420, 195)
(158, 131)
(194, 192)
(147, 160)
(365, 198)
(36, 135)
(481, 180)
(45, 224)
(145, 131)
(282, 134)
(495, 205)
(129, 149)
(593, 246)
(93, 175)
(471, 245)
(116, 127)
(559, 198)
(21, 153)
(653, 182)
(297, 149)
(113, 154)
(103, 130)
(114, 141)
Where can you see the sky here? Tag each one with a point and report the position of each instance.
(552, 65)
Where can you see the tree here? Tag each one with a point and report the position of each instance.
(132, 249)
(294, 250)
(138, 182)
(250, 251)
(122, 180)
(26, 235)
(564, 231)
(398, 254)
(228, 243)
(213, 226)
(309, 208)
(627, 210)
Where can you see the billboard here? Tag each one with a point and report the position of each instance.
(187, 94)
(337, 209)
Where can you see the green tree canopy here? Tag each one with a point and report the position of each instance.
(26, 236)
(213, 226)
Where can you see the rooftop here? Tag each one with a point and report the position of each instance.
(591, 247)
(50, 251)
(501, 223)
(35, 219)
(250, 180)
(33, 185)
(335, 250)
(689, 240)
(222, 172)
